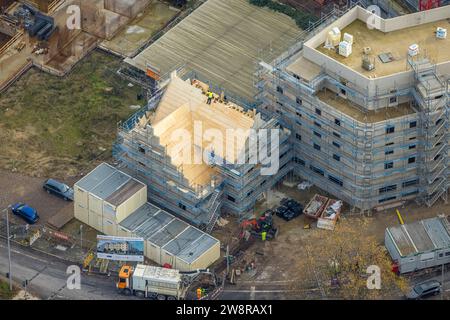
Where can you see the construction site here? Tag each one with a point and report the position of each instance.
(197, 190)
(246, 145)
(40, 35)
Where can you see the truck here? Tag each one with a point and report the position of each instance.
(158, 282)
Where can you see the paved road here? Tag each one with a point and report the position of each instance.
(48, 276)
(267, 290)
(437, 275)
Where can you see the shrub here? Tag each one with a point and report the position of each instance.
(301, 18)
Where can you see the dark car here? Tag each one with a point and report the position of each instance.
(425, 289)
(26, 212)
(59, 189)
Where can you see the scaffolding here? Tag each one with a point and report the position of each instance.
(431, 93)
(371, 166)
(234, 188)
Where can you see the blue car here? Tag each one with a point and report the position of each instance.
(26, 212)
(59, 189)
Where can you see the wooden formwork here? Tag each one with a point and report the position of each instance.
(7, 45)
(16, 76)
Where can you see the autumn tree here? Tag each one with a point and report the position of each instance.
(336, 262)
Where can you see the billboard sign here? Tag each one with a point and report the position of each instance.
(120, 248)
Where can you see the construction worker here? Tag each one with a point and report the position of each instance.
(210, 96)
(199, 293)
(263, 235)
(203, 292)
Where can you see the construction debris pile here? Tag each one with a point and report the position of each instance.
(331, 211)
(37, 24)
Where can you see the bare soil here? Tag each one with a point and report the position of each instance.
(278, 260)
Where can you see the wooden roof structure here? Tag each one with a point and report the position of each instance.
(184, 117)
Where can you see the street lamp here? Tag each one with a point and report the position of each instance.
(9, 246)
(81, 238)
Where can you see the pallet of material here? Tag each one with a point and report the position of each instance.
(315, 206)
(330, 215)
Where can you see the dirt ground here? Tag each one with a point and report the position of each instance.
(62, 127)
(15, 187)
(277, 261)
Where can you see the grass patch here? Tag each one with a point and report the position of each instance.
(5, 294)
(59, 126)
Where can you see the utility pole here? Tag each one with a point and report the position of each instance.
(81, 238)
(442, 282)
(228, 259)
(9, 247)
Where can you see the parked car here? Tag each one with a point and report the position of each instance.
(26, 212)
(425, 289)
(59, 189)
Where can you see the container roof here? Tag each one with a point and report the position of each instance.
(157, 273)
(193, 251)
(168, 232)
(421, 236)
(110, 184)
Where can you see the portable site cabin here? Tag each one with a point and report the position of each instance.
(419, 245)
(106, 196)
(169, 240)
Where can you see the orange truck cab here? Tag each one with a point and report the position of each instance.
(124, 278)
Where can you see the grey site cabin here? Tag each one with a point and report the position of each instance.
(419, 245)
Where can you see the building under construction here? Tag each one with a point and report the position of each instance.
(149, 149)
(367, 102)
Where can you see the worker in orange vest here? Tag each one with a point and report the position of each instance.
(199, 293)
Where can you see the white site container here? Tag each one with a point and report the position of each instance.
(348, 38)
(333, 39)
(441, 33)
(413, 50)
(345, 49)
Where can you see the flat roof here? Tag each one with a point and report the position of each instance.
(223, 41)
(421, 236)
(345, 106)
(193, 252)
(168, 232)
(304, 68)
(395, 42)
(110, 184)
(157, 273)
(138, 31)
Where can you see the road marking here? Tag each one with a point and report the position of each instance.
(267, 291)
(26, 255)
